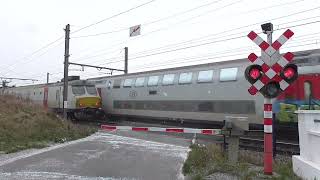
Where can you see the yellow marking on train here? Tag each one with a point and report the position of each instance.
(92, 102)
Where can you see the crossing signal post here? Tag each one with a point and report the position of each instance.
(270, 75)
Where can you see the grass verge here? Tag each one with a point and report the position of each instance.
(25, 125)
(208, 160)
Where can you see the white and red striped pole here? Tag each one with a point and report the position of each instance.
(268, 122)
(268, 145)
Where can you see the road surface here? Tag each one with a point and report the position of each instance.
(104, 155)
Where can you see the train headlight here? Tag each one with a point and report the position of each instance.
(98, 104)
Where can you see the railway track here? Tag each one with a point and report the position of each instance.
(282, 147)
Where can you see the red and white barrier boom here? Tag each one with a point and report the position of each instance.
(160, 129)
(270, 75)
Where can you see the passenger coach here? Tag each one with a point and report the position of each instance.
(206, 93)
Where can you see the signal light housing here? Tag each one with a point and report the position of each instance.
(271, 90)
(289, 73)
(253, 73)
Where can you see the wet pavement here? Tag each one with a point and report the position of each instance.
(104, 155)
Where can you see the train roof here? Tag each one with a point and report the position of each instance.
(72, 83)
(302, 58)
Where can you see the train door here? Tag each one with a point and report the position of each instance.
(311, 91)
(307, 85)
(45, 97)
(99, 91)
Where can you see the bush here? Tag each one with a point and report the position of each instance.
(207, 160)
(26, 125)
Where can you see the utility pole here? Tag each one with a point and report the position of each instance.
(126, 60)
(4, 85)
(66, 65)
(48, 78)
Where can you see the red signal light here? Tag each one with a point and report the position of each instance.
(289, 72)
(254, 73)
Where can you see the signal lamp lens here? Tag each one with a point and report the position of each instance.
(272, 90)
(289, 72)
(254, 73)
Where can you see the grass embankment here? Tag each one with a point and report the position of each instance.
(25, 125)
(208, 160)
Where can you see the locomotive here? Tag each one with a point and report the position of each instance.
(83, 100)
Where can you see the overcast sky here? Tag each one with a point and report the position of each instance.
(27, 26)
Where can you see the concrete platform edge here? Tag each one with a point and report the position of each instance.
(305, 169)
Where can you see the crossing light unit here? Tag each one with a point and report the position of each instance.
(276, 76)
(271, 90)
(253, 73)
(289, 73)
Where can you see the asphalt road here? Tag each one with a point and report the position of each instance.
(113, 155)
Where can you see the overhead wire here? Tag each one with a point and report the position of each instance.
(242, 49)
(197, 39)
(184, 12)
(97, 55)
(33, 53)
(230, 30)
(211, 42)
(123, 42)
(152, 22)
(8, 70)
(113, 16)
(304, 23)
(201, 58)
(220, 41)
(116, 61)
(210, 58)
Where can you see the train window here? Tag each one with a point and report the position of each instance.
(205, 76)
(78, 90)
(140, 81)
(185, 78)
(109, 85)
(152, 92)
(168, 79)
(116, 83)
(153, 80)
(307, 90)
(91, 90)
(127, 83)
(228, 74)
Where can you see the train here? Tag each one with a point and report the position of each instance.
(83, 100)
(207, 93)
(202, 94)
